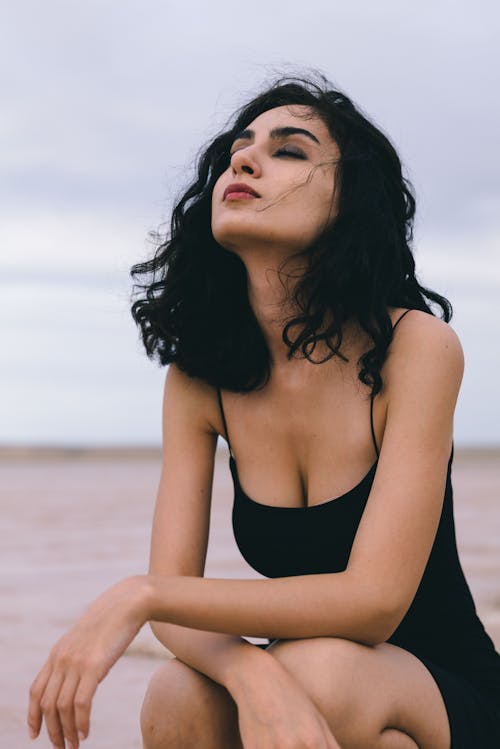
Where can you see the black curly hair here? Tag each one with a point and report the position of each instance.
(193, 307)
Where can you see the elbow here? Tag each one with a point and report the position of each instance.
(390, 602)
(378, 613)
(380, 635)
(379, 631)
(386, 623)
(384, 620)
(372, 629)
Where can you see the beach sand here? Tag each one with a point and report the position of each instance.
(76, 521)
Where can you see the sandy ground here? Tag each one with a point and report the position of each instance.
(74, 522)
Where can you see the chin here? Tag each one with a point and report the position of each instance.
(240, 234)
(234, 232)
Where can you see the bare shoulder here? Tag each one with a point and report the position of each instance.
(191, 397)
(423, 345)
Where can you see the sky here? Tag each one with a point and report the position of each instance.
(106, 104)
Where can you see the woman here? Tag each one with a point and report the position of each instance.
(292, 249)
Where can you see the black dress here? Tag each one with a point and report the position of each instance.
(441, 627)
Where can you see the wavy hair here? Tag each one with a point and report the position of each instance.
(193, 306)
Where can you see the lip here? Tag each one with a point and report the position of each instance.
(239, 187)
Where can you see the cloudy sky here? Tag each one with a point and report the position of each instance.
(105, 104)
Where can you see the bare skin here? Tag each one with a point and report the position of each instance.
(379, 697)
(303, 439)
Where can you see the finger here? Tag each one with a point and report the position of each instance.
(65, 705)
(34, 718)
(83, 701)
(49, 709)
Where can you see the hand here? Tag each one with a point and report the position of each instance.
(63, 690)
(275, 711)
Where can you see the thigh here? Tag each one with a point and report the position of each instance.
(363, 690)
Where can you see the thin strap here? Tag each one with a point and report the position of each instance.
(224, 421)
(371, 398)
(401, 317)
(371, 424)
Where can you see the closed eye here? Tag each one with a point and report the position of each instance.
(288, 152)
(285, 151)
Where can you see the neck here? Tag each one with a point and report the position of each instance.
(269, 294)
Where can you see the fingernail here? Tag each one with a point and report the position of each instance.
(32, 733)
(81, 735)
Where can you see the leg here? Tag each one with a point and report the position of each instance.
(183, 709)
(379, 697)
(391, 738)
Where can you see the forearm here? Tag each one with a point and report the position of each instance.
(323, 605)
(219, 656)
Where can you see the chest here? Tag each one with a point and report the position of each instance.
(298, 447)
(279, 541)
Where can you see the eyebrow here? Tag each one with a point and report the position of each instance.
(277, 133)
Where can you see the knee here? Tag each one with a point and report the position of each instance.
(165, 713)
(183, 708)
(331, 657)
(332, 672)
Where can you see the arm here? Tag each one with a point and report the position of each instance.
(324, 605)
(264, 691)
(181, 522)
(63, 690)
(368, 600)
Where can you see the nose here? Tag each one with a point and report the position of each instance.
(244, 160)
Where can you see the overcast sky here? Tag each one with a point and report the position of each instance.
(104, 107)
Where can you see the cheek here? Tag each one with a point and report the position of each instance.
(327, 200)
(216, 192)
(216, 206)
(218, 188)
(315, 214)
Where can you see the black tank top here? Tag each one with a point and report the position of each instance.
(441, 624)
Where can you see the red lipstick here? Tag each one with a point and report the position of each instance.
(240, 190)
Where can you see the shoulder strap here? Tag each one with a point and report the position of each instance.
(219, 396)
(371, 424)
(371, 398)
(401, 317)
